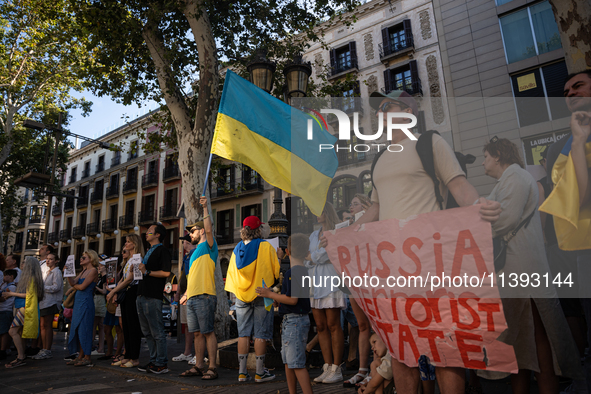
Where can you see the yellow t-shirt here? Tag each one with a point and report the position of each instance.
(402, 186)
(201, 279)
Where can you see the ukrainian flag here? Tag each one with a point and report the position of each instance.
(269, 136)
(572, 222)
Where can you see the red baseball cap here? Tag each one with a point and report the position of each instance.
(253, 222)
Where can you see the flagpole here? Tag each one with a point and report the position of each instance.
(207, 174)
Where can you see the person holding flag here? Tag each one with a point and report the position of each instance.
(253, 264)
(201, 296)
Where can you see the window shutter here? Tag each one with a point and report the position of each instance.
(387, 86)
(414, 76)
(407, 32)
(333, 59)
(385, 41)
(353, 50)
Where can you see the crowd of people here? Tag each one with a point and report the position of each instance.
(549, 334)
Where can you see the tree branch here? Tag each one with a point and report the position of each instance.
(172, 94)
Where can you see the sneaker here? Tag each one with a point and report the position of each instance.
(158, 369)
(265, 377)
(42, 355)
(244, 377)
(145, 368)
(182, 357)
(97, 353)
(325, 371)
(193, 361)
(335, 375)
(71, 357)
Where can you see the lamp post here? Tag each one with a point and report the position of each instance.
(296, 74)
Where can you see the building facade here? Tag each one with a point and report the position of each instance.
(504, 72)
(30, 228)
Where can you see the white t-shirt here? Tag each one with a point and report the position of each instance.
(44, 268)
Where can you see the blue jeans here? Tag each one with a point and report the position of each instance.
(201, 313)
(252, 318)
(149, 311)
(294, 337)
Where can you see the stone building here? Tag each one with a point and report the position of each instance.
(30, 227)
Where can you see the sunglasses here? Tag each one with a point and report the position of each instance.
(494, 139)
(389, 105)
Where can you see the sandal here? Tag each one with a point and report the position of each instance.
(357, 378)
(16, 363)
(128, 364)
(210, 374)
(191, 372)
(82, 363)
(73, 361)
(364, 381)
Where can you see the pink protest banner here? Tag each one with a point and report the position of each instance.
(428, 286)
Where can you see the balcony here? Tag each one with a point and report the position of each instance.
(56, 210)
(130, 186)
(72, 178)
(100, 167)
(150, 180)
(171, 173)
(343, 68)
(147, 217)
(96, 197)
(85, 173)
(21, 222)
(52, 237)
(127, 222)
(415, 89)
(69, 205)
(92, 228)
(225, 239)
(109, 225)
(393, 50)
(65, 234)
(113, 191)
(239, 187)
(36, 219)
(168, 212)
(79, 232)
(82, 202)
(345, 157)
(115, 161)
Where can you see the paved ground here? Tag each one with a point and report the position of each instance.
(53, 375)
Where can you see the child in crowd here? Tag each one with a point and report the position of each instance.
(296, 322)
(6, 305)
(381, 381)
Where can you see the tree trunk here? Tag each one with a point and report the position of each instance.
(195, 145)
(574, 24)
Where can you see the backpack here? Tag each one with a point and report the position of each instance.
(424, 148)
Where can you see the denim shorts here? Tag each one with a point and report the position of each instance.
(253, 318)
(294, 337)
(201, 313)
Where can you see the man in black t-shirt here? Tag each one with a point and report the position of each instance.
(156, 268)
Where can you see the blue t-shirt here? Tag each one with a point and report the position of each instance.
(303, 306)
(187, 260)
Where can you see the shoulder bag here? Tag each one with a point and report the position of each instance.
(500, 243)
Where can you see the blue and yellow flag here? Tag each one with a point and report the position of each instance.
(269, 136)
(250, 266)
(571, 221)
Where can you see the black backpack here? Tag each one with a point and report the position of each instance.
(424, 148)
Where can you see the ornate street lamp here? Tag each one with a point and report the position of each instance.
(261, 71)
(296, 74)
